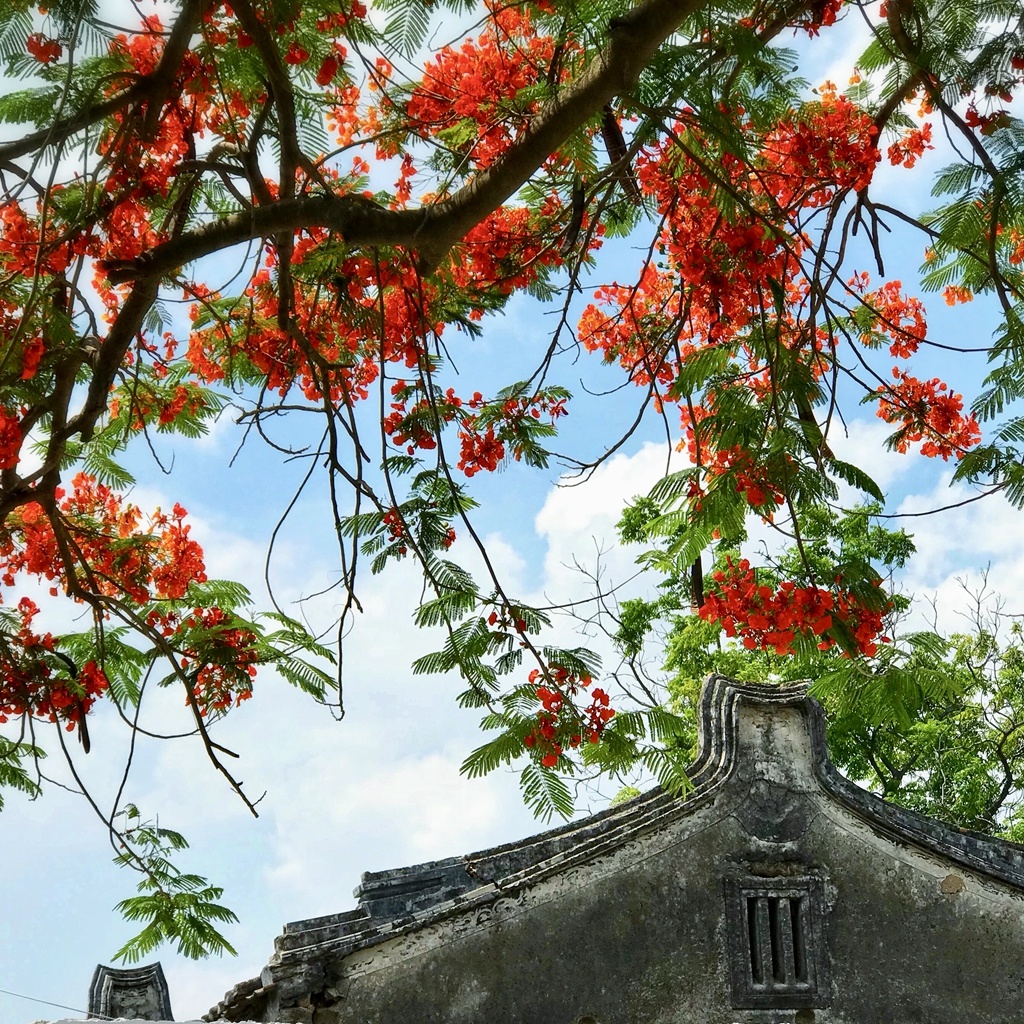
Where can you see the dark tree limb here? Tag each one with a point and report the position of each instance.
(431, 232)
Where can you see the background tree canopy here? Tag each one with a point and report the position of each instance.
(303, 217)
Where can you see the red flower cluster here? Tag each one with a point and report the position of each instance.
(956, 293)
(750, 479)
(395, 525)
(28, 248)
(505, 620)
(10, 438)
(178, 559)
(1016, 242)
(218, 652)
(414, 426)
(723, 268)
(229, 664)
(560, 722)
(28, 685)
(122, 555)
(480, 451)
(633, 334)
(373, 311)
(508, 248)
(899, 316)
(480, 82)
(906, 150)
(929, 412)
(818, 15)
(148, 407)
(825, 147)
(926, 411)
(43, 48)
(771, 620)
(484, 439)
(986, 123)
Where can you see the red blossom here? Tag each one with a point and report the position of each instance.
(43, 48)
(10, 438)
(29, 684)
(906, 151)
(771, 620)
(929, 412)
(480, 451)
(479, 82)
(328, 70)
(560, 722)
(898, 316)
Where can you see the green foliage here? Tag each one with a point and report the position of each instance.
(957, 753)
(280, 648)
(624, 795)
(14, 772)
(636, 616)
(177, 907)
(545, 792)
(126, 663)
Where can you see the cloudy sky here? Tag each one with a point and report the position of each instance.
(382, 788)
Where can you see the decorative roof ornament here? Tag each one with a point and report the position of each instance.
(138, 993)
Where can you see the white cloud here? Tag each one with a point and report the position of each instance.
(862, 443)
(376, 813)
(955, 546)
(578, 521)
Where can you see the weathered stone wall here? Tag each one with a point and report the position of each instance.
(676, 912)
(638, 935)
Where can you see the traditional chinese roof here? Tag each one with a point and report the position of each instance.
(404, 900)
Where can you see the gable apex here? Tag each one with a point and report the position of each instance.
(760, 731)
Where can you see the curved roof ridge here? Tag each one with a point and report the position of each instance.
(397, 901)
(497, 870)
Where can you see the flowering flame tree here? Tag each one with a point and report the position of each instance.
(383, 200)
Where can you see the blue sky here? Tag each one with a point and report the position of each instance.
(382, 788)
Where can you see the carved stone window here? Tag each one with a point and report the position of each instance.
(774, 930)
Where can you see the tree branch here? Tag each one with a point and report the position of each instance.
(154, 88)
(633, 39)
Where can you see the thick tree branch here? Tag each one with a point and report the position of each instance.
(154, 89)
(161, 82)
(111, 355)
(284, 101)
(432, 231)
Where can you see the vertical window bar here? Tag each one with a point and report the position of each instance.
(753, 942)
(798, 910)
(764, 941)
(775, 923)
(786, 953)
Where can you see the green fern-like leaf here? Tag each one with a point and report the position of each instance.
(13, 771)
(545, 792)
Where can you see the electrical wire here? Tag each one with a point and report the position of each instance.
(60, 1006)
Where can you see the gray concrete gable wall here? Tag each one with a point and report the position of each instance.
(650, 913)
